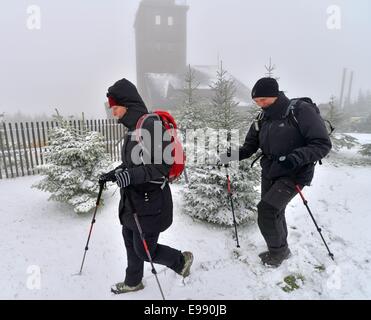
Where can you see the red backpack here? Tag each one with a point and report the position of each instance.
(177, 152)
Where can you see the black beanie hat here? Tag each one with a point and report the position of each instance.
(265, 87)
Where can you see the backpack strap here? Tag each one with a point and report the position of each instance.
(139, 139)
(140, 123)
(138, 131)
(257, 158)
(290, 109)
(258, 121)
(332, 129)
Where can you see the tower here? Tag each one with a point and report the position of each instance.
(161, 39)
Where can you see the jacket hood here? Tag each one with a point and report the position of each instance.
(126, 94)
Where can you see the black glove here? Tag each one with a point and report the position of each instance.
(109, 176)
(288, 162)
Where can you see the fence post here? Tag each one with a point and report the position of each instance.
(25, 148)
(19, 147)
(30, 147)
(8, 149)
(4, 158)
(43, 131)
(35, 145)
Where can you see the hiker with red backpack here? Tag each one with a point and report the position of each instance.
(292, 137)
(150, 160)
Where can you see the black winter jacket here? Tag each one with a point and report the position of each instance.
(307, 141)
(153, 205)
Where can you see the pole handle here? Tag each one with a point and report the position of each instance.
(229, 185)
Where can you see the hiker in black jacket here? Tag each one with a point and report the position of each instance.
(143, 179)
(291, 141)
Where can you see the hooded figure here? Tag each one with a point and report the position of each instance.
(144, 188)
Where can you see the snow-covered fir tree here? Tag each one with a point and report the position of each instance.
(361, 107)
(366, 150)
(191, 113)
(206, 196)
(339, 140)
(366, 125)
(223, 112)
(73, 163)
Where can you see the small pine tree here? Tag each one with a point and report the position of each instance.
(206, 195)
(73, 163)
(191, 115)
(366, 150)
(270, 69)
(366, 125)
(335, 116)
(339, 140)
(224, 114)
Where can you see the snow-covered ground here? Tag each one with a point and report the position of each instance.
(363, 138)
(42, 243)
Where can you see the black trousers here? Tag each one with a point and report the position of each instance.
(275, 196)
(136, 255)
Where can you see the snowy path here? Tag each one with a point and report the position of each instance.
(51, 237)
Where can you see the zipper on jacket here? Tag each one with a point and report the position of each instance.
(269, 128)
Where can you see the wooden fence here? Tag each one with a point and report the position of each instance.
(22, 145)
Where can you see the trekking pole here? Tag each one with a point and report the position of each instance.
(144, 242)
(101, 186)
(315, 223)
(231, 200)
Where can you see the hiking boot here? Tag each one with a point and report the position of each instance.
(263, 254)
(275, 259)
(188, 260)
(121, 287)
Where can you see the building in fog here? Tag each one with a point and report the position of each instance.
(161, 55)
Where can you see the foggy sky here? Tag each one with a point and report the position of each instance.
(84, 46)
